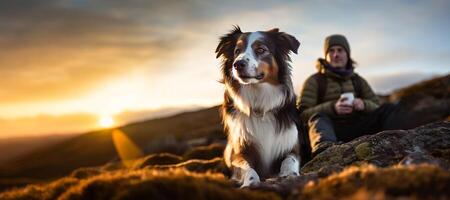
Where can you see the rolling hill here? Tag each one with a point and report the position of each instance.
(16, 147)
(97, 148)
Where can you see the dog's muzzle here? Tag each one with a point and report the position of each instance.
(240, 67)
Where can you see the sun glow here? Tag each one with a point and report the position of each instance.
(106, 121)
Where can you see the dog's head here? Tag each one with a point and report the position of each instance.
(256, 57)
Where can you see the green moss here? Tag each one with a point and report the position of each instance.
(363, 151)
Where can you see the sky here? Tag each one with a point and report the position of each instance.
(65, 64)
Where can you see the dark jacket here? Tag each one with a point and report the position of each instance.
(336, 85)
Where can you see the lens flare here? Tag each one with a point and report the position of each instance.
(128, 151)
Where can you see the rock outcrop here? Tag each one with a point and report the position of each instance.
(420, 156)
(426, 144)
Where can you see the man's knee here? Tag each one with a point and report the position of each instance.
(320, 122)
(318, 116)
(320, 130)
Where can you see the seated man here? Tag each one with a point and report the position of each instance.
(337, 103)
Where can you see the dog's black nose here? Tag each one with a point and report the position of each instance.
(240, 64)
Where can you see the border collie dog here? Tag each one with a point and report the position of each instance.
(259, 111)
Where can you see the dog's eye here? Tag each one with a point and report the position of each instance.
(237, 51)
(260, 50)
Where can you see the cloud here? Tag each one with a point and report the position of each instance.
(54, 52)
(51, 51)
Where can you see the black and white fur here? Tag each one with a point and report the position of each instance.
(259, 111)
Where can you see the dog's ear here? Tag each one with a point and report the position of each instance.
(228, 41)
(285, 40)
(290, 41)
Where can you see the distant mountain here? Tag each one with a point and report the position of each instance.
(438, 88)
(427, 101)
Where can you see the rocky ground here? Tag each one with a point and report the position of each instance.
(399, 164)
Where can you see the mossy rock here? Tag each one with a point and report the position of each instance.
(334, 154)
(409, 182)
(363, 151)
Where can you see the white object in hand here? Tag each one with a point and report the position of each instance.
(347, 98)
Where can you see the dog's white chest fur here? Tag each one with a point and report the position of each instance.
(262, 130)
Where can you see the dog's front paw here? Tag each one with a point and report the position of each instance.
(251, 178)
(284, 174)
(289, 167)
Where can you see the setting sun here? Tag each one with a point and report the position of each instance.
(106, 121)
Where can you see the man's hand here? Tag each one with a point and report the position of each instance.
(342, 108)
(358, 104)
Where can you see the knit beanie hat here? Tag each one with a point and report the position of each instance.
(336, 39)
